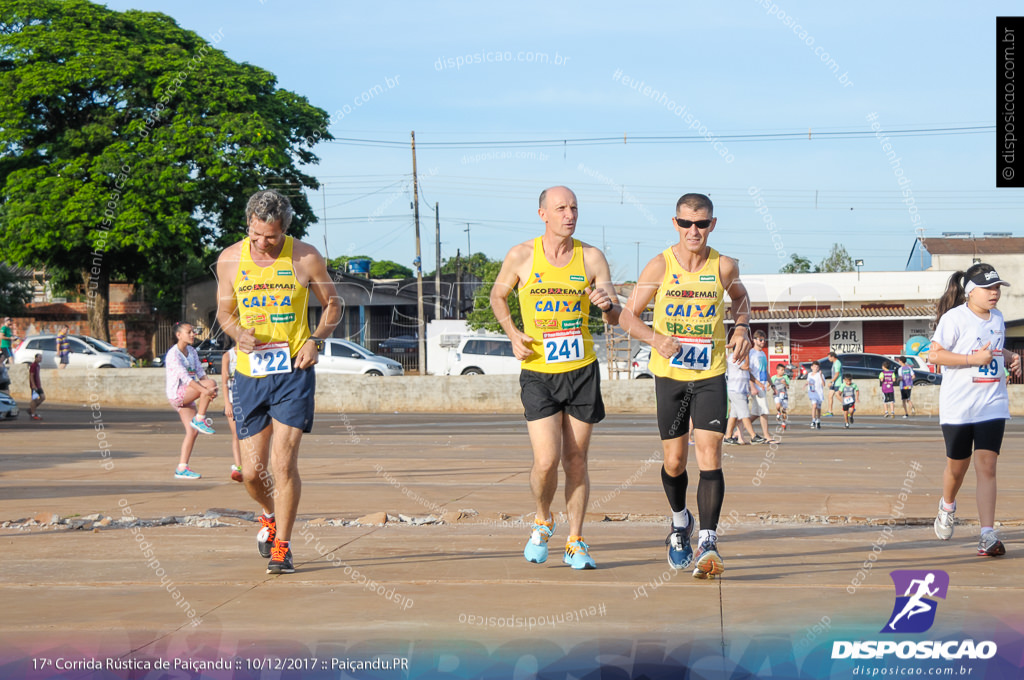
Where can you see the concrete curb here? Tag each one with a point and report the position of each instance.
(144, 387)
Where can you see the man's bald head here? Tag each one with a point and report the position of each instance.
(544, 195)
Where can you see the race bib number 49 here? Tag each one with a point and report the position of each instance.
(693, 354)
(270, 359)
(992, 371)
(562, 346)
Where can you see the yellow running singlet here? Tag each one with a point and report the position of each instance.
(689, 307)
(271, 301)
(555, 313)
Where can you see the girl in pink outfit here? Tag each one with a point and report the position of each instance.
(187, 382)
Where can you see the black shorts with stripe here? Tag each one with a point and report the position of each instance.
(703, 401)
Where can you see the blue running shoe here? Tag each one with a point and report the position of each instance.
(709, 563)
(680, 552)
(202, 424)
(536, 550)
(577, 554)
(187, 473)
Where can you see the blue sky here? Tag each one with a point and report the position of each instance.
(738, 68)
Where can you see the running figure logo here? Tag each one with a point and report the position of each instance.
(914, 611)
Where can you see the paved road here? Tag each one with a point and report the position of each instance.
(801, 522)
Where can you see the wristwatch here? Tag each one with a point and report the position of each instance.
(318, 342)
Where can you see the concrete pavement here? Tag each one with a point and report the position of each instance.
(799, 526)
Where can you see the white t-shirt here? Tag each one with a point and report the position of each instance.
(737, 379)
(972, 394)
(816, 386)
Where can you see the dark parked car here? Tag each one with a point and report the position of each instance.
(400, 344)
(867, 367)
(210, 352)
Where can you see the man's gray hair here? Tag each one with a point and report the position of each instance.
(269, 206)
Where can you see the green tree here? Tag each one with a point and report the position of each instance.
(798, 265)
(482, 316)
(129, 146)
(379, 269)
(837, 260)
(474, 265)
(15, 292)
(386, 269)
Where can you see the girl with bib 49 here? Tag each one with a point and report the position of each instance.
(974, 403)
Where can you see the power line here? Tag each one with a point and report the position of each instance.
(672, 139)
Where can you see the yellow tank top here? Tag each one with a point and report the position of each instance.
(689, 307)
(271, 301)
(555, 312)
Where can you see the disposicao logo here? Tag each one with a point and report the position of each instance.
(914, 612)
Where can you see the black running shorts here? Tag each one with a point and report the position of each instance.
(905, 393)
(703, 401)
(888, 397)
(963, 440)
(577, 393)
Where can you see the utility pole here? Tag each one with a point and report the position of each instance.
(637, 262)
(437, 270)
(458, 284)
(469, 250)
(323, 194)
(420, 327)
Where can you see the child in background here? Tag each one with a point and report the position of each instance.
(887, 379)
(850, 396)
(780, 385)
(815, 393)
(906, 377)
(737, 381)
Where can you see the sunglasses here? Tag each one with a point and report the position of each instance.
(686, 224)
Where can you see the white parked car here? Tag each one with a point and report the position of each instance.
(484, 354)
(638, 367)
(342, 356)
(86, 352)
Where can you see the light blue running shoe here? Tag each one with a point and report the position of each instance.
(577, 555)
(187, 473)
(680, 551)
(202, 424)
(536, 550)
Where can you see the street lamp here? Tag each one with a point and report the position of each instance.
(858, 264)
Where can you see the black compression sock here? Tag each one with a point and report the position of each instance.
(710, 495)
(675, 489)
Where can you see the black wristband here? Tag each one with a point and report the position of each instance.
(742, 325)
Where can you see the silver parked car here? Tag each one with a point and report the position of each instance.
(8, 407)
(86, 352)
(342, 356)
